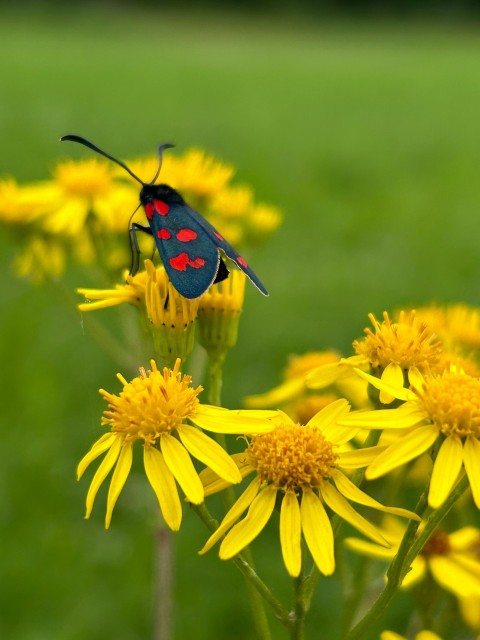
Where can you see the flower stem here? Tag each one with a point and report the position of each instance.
(300, 610)
(253, 579)
(163, 584)
(408, 550)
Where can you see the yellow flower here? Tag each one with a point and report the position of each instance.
(219, 313)
(262, 222)
(450, 558)
(16, 205)
(457, 324)
(169, 316)
(132, 292)
(301, 403)
(195, 174)
(298, 468)
(445, 407)
(155, 408)
(421, 635)
(293, 384)
(40, 258)
(395, 352)
(84, 189)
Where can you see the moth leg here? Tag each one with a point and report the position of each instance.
(134, 248)
(222, 273)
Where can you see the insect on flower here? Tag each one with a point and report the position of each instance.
(189, 246)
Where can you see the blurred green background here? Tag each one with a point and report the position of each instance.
(366, 133)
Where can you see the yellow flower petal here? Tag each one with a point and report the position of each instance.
(101, 473)
(464, 539)
(325, 375)
(277, 396)
(415, 378)
(338, 504)
(329, 415)
(318, 532)
(359, 457)
(180, 464)
(104, 443)
(212, 483)
(352, 492)
(392, 376)
(408, 415)
(290, 533)
(163, 483)
(248, 529)
(120, 475)
(391, 635)
(471, 460)
(369, 549)
(235, 422)
(416, 573)
(210, 453)
(243, 502)
(403, 450)
(446, 468)
(453, 577)
(396, 391)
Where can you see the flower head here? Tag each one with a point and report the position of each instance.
(219, 313)
(299, 468)
(450, 559)
(442, 407)
(395, 350)
(458, 325)
(156, 408)
(169, 316)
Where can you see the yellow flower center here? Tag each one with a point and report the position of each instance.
(452, 402)
(292, 457)
(407, 343)
(151, 404)
(437, 545)
(87, 179)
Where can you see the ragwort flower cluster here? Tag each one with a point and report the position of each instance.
(83, 211)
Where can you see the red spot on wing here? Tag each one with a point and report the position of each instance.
(242, 262)
(164, 234)
(149, 210)
(183, 260)
(219, 236)
(186, 235)
(161, 207)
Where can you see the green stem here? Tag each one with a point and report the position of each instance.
(215, 375)
(409, 548)
(163, 584)
(299, 609)
(249, 573)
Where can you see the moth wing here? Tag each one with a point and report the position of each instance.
(190, 257)
(227, 248)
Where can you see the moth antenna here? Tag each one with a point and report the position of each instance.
(74, 138)
(165, 145)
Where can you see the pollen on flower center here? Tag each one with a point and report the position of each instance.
(88, 178)
(452, 402)
(292, 457)
(151, 404)
(407, 343)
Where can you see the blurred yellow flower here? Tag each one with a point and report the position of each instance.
(421, 635)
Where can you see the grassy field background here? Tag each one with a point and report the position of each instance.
(366, 135)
